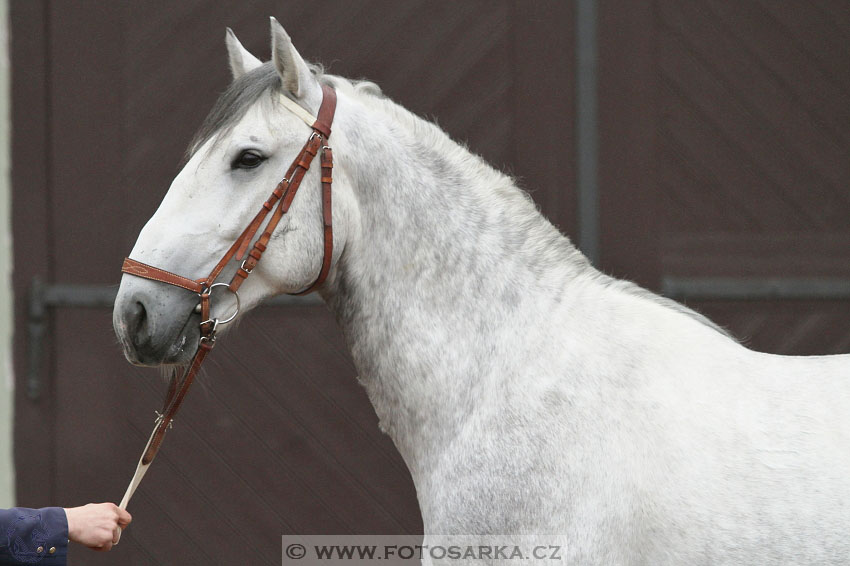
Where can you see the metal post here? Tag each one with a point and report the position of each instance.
(586, 130)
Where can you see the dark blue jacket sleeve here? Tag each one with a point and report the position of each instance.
(33, 536)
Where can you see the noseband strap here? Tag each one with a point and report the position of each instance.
(279, 202)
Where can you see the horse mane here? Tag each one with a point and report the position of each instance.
(638, 291)
(431, 135)
(248, 89)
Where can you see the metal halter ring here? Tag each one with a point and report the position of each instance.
(215, 321)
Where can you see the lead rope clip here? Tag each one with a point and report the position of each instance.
(160, 416)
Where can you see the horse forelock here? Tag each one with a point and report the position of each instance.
(232, 105)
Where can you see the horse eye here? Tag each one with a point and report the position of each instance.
(248, 159)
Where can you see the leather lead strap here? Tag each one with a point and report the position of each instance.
(279, 201)
(175, 400)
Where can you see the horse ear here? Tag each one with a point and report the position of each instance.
(293, 71)
(241, 60)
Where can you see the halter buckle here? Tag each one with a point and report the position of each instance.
(242, 267)
(215, 322)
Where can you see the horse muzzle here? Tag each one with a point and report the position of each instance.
(155, 325)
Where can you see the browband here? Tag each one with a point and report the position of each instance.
(298, 110)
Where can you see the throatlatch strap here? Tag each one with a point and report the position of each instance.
(327, 220)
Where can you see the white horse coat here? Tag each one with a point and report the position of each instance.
(527, 392)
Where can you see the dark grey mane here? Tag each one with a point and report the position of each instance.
(242, 93)
(234, 102)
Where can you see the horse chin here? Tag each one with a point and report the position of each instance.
(177, 352)
(182, 350)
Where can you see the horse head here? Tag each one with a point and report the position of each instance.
(238, 157)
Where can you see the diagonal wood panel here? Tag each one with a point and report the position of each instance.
(817, 34)
(742, 125)
(751, 106)
(752, 157)
(806, 74)
(790, 328)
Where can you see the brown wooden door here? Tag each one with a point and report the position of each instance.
(723, 143)
(724, 171)
(277, 437)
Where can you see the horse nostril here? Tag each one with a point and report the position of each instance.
(138, 317)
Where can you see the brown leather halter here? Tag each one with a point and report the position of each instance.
(280, 200)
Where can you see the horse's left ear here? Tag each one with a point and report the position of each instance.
(241, 60)
(293, 71)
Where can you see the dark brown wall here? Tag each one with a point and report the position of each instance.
(752, 139)
(724, 130)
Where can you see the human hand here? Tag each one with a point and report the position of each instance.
(97, 525)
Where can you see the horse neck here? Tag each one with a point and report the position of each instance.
(447, 252)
